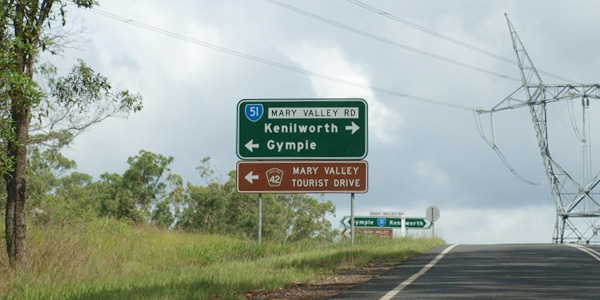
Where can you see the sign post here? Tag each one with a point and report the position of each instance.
(352, 229)
(433, 214)
(403, 226)
(259, 218)
(324, 138)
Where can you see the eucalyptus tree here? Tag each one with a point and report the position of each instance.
(27, 29)
(145, 178)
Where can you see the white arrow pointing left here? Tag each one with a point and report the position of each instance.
(251, 177)
(352, 127)
(251, 145)
(346, 221)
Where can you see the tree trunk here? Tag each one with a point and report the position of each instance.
(16, 225)
(9, 218)
(16, 180)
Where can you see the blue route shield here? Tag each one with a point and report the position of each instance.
(254, 112)
(381, 222)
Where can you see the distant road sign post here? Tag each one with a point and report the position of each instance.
(433, 214)
(306, 129)
(385, 222)
(383, 232)
(386, 213)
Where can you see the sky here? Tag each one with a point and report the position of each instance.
(420, 153)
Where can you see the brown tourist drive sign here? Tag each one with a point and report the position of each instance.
(302, 177)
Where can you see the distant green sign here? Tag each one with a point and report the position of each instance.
(302, 129)
(383, 222)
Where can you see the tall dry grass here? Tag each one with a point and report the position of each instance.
(107, 259)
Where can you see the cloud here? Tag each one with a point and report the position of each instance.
(331, 61)
(529, 224)
(431, 173)
(419, 154)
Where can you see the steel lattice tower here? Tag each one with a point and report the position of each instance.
(577, 205)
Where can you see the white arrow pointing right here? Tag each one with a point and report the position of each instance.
(427, 224)
(251, 177)
(353, 128)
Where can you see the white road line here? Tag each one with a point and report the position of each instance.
(593, 253)
(415, 276)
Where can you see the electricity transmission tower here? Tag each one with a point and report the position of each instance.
(577, 205)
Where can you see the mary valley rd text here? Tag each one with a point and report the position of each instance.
(313, 113)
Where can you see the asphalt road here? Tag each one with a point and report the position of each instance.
(531, 271)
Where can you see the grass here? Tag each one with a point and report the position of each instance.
(110, 260)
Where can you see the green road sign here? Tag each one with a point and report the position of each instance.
(302, 129)
(383, 222)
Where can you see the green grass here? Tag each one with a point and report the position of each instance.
(110, 260)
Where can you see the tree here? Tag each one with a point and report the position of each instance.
(44, 170)
(26, 30)
(114, 199)
(73, 200)
(171, 207)
(218, 208)
(144, 178)
(308, 218)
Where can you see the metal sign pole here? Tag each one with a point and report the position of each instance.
(433, 214)
(259, 218)
(352, 217)
(432, 222)
(403, 226)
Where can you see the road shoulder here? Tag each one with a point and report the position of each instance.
(346, 284)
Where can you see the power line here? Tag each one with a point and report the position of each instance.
(494, 147)
(273, 63)
(390, 42)
(428, 31)
(447, 38)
